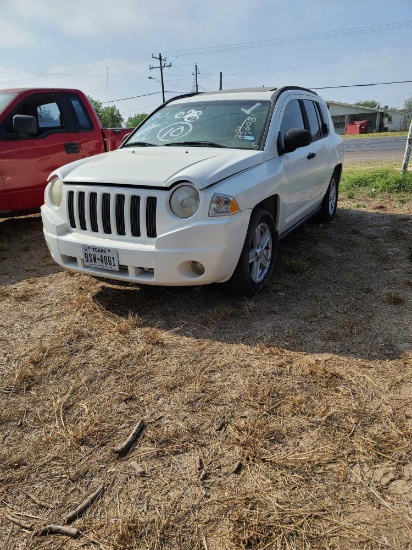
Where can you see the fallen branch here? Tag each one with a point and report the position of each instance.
(84, 505)
(18, 522)
(60, 530)
(127, 445)
(36, 500)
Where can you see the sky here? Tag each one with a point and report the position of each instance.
(105, 47)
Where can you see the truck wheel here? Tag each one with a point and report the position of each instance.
(330, 200)
(257, 258)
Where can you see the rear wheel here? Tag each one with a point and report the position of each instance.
(258, 255)
(330, 200)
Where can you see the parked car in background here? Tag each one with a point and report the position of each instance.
(200, 192)
(40, 130)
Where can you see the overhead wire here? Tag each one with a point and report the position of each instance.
(241, 45)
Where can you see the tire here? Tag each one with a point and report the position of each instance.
(260, 244)
(330, 200)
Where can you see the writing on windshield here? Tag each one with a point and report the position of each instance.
(237, 124)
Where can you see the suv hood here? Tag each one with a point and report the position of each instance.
(161, 167)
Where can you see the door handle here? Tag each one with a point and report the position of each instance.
(311, 156)
(71, 148)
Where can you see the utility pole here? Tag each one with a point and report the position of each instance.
(407, 149)
(221, 81)
(162, 65)
(195, 75)
(107, 85)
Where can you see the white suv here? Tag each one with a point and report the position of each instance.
(200, 192)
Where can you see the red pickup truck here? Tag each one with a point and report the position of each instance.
(40, 130)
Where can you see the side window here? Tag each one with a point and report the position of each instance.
(292, 118)
(83, 121)
(325, 118)
(44, 108)
(48, 116)
(313, 119)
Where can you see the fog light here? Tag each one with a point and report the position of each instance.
(198, 268)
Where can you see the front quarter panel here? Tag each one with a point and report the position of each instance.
(253, 186)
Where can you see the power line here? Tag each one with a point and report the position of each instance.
(242, 45)
(295, 39)
(311, 87)
(318, 64)
(361, 85)
(132, 97)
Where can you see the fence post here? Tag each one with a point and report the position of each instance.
(407, 149)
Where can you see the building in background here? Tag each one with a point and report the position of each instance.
(396, 121)
(344, 113)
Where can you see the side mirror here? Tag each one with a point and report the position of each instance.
(295, 138)
(25, 124)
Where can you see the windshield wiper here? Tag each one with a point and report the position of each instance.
(195, 144)
(139, 144)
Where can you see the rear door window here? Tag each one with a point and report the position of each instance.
(83, 121)
(325, 118)
(313, 119)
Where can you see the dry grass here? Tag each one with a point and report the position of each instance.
(282, 422)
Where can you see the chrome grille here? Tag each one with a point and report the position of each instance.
(112, 213)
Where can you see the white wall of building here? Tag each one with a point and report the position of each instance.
(397, 120)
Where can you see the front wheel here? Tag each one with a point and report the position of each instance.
(330, 200)
(257, 258)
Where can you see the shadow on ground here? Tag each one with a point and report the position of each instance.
(341, 288)
(23, 250)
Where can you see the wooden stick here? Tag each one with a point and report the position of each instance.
(221, 425)
(127, 445)
(60, 530)
(199, 463)
(36, 500)
(18, 522)
(84, 505)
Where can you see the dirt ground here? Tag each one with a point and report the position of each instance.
(281, 422)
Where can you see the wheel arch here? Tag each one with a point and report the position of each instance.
(272, 205)
(338, 171)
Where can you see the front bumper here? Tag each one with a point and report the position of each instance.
(165, 260)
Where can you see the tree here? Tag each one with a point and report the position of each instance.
(135, 120)
(369, 103)
(408, 104)
(110, 117)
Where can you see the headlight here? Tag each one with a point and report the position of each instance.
(184, 201)
(56, 191)
(223, 205)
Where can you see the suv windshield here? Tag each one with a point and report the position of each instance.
(5, 98)
(230, 123)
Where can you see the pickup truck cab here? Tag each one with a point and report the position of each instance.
(200, 192)
(40, 130)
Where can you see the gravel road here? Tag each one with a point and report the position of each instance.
(385, 149)
(375, 144)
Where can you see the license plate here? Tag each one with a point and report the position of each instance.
(103, 258)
